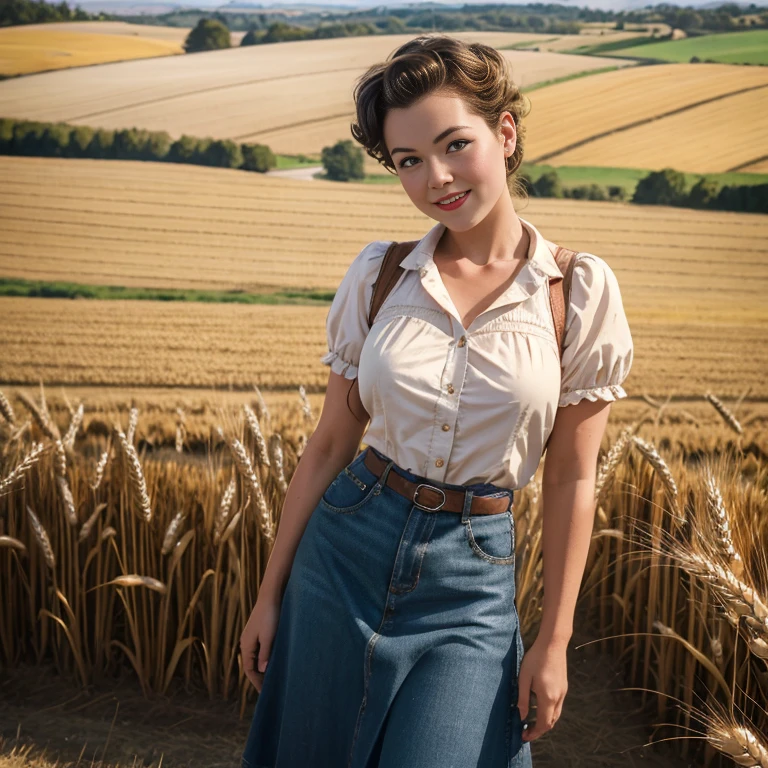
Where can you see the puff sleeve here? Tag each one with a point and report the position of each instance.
(346, 323)
(598, 348)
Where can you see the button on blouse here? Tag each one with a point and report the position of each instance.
(475, 405)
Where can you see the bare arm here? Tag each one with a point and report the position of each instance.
(568, 489)
(332, 446)
(569, 507)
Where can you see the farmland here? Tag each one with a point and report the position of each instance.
(24, 50)
(692, 281)
(750, 47)
(308, 86)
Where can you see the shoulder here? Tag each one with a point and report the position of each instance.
(370, 257)
(593, 277)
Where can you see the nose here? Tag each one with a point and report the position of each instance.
(439, 174)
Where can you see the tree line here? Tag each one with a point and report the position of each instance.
(41, 139)
(262, 28)
(664, 187)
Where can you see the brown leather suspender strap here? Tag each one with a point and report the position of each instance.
(560, 292)
(559, 287)
(389, 274)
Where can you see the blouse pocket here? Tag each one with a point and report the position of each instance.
(352, 488)
(492, 537)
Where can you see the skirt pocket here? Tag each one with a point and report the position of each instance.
(492, 537)
(351, 489)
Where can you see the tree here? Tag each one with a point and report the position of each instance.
(548, 185)
(703, 193)
(251, 37)
(343, 161)
(208, 35)
(224, 153)
(665, 187)
(257, 157)
(185, 150)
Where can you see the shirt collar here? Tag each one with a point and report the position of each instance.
(539, 255)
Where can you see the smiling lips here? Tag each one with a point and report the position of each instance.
(453, 201)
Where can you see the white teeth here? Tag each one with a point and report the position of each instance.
(457, 197)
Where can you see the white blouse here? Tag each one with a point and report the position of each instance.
(475, 405)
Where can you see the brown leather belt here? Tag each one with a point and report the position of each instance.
(432, 498)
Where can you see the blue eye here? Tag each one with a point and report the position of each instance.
(463, 142)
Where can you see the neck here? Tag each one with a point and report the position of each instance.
(499, 237)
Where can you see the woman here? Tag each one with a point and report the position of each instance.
(387, 611)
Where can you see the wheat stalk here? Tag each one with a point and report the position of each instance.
(728, 417)
(47, 427)
(306, 408)
(135, 580)
(262, 455)
(720, 517)
(740, 744)
(90, 522)
(42, 538)
(276, 456)
(100, 467)
(133, 420)
(652, 456)
(6, 410)
(245, 468)
(136, 474)
(74, 425)
(11, 543)
(172, 532)
(66, 497)
(261, 406)
(611, 461)
(224, 510)
(29, 461)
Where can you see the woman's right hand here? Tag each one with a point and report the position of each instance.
(257, 636)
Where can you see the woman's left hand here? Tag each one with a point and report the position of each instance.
(544, 672)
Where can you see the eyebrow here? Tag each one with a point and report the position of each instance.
(436, 140)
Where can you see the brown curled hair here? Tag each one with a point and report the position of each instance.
(475, 72)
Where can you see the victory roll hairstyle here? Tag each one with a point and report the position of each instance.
(477, 73)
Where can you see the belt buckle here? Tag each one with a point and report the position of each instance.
(434, 488)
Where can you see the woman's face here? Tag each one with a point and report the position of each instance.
(433, 161)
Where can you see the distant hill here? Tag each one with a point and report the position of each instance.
(131, 7)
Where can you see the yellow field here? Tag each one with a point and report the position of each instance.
(143, 31)
(597, 114)
(693, 282)
(307, 86)
(759, 167)
(25, 50)
(705, 148)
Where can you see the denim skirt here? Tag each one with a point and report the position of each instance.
(398, 643)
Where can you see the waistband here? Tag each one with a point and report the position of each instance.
(434, 495)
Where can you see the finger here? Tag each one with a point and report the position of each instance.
(543, 720)
(524, 695)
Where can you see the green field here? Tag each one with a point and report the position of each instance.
(750, 47)
(577, 175)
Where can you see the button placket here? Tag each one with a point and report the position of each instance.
(447, 411)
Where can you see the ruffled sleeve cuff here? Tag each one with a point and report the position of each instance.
(609, 394)
(338, 365)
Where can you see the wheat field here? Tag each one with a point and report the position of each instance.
(36, 48)
(693, 282)
(708, 150)
(618, 118)
(307, 85)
